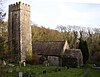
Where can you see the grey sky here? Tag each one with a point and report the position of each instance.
(50, 13)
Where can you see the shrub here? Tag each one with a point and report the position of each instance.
(84, 49)
(29, 56)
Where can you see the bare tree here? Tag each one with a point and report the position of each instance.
(2, 16)
(2, 12)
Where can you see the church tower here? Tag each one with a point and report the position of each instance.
(19, 32)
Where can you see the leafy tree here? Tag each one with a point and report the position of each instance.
(93, 41)
(84, 49)
(3, 33)
(44, 34)
(2, 48)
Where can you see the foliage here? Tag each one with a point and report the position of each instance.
(3, 47)
(96, 57)
(71, 34)
(43, 34)
(84, 48)
(3, 33)
(29, 55)
(93, 41)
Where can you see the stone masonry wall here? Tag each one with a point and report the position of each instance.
(53, 60)
(19, 31)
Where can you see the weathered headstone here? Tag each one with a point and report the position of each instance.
(17, 69)
(4, 62)
(10, 69)
(24, 63)
(20, 74)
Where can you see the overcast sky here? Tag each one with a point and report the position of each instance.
(50, 13)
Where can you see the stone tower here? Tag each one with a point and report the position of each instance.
(19, 32)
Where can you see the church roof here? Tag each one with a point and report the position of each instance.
(53, 48)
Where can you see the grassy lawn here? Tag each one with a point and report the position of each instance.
(65, 73)
(93, 73)
(37, 71)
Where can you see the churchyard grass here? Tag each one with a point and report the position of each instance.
(37, 71)
(93, 73)
(72, 72)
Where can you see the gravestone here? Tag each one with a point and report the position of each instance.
(4, 62)
(24, 63)
(46, 63)
(19, 32)
(44, 71)
(10, 69)
(17, 69)
(20, 74)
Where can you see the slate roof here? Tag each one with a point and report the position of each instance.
(53, 48)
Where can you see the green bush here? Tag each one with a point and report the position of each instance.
(29, 56)
(84, 49)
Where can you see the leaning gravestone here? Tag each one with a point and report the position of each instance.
(4, 63)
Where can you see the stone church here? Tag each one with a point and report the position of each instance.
(20, 42)
(53, 51)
